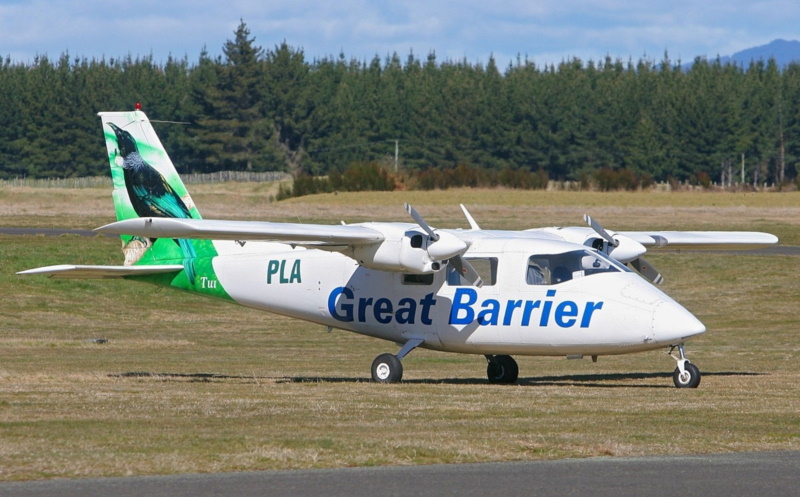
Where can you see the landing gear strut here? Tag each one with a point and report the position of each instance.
(387, 368)
(502, 369)
(686, 375)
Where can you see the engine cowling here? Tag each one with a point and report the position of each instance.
(409, 251)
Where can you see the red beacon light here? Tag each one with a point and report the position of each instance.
(138, 106)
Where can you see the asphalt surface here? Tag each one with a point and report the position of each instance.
(764, 474)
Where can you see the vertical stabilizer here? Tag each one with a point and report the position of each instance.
(146, 184)
(132, 146)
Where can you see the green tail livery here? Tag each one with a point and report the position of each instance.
(147, 185)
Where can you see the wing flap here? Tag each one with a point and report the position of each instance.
(71, 271)
(245, 230)
(703, 240)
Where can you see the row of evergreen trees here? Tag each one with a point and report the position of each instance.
(256, 109)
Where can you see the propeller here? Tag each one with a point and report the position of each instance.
(626, 250)
(447, 246)
(421, 222)
(647, 270)
(600, 230)
(466, 270)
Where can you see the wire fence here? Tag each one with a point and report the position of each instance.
(189, 179)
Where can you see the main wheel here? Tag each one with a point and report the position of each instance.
(689, 379)
(502, 369)
(387, 368)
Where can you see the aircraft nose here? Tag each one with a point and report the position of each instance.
(672, 323)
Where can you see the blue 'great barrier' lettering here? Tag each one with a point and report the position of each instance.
(566, 313)
(465, 310)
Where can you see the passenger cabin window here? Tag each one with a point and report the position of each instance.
(418, 279)
(552, 269)
(485, 266)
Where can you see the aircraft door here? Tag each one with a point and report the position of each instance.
(458, 318)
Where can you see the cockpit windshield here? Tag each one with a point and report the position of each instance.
(551, 269)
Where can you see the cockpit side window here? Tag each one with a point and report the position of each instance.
(538, 271)
(552, 269)
(485, 266)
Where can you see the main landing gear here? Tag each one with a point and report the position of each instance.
(502, 369)
(686, 375)
(387, 368)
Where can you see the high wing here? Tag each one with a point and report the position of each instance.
(70, 271)
(628, 247)
(301, 234)
(702, 240)
(414, 248)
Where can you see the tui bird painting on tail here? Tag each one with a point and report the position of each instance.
(150, 195)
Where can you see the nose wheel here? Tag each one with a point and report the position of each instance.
(686, 375)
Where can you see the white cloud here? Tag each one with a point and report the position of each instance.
(547, 31)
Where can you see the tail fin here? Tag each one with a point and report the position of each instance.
(130, 135)
(146, 184)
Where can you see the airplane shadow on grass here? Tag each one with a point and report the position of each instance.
(614, 380)
(604, 380)
(190, 377)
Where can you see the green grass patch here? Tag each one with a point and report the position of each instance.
(185, 384)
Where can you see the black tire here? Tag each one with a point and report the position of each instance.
(387, 368)
(502, 369)
(691, 379)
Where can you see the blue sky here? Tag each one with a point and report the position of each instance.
(546, 31)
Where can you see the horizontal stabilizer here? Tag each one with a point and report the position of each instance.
(697, 240)
(157, 227)
(70, 271)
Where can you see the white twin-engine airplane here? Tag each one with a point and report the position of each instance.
(546, 291)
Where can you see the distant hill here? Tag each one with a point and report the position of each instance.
(784, 52)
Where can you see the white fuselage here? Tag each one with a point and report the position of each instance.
(596, 311)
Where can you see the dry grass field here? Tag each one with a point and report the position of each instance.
(185, 384)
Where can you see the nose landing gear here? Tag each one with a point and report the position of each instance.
(686, 375)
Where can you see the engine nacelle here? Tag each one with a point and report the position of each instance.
(401, 250)
(409, 251)
(627, 248)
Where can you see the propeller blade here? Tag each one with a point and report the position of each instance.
(421, 222)
(466, 270)
(600, 230)
(647, 270)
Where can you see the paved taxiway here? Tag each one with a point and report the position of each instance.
(765, 474)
